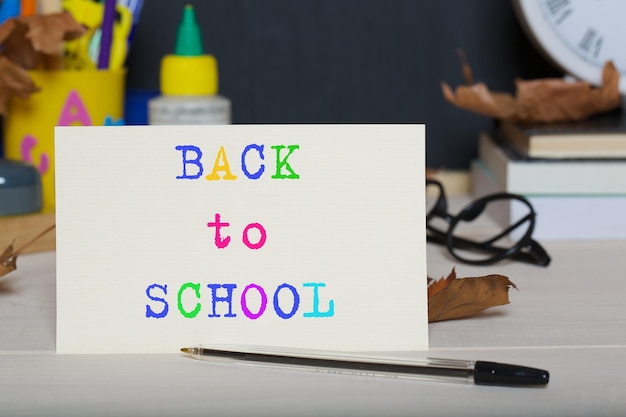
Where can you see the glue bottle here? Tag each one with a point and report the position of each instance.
(189, 82)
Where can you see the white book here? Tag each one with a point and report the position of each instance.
(559, 217)
(551, 176)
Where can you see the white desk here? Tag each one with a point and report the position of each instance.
(569, 318)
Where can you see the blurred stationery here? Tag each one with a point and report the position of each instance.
(601, 136)
(108, 30)
(49, 6)
(189, 82)
(9, 9)
(520, 174)
(106, 34)
(575, 199)
(62, 64)
(560, 216)
(559, 144)
(28, 7)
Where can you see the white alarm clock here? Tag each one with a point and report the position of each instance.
(579, 36)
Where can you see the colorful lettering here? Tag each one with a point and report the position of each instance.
(193, 313)
(244, 303)
(150, 313)
(244, 167)
(110, 121)
(296, 302)
(228, 299)
(29, 142)
(186, 161)
(282, 163)
(74, 110)
(262, 238)
(316, 301)
(284, 169)
(221, 167)
(192, 168)
(219, 242)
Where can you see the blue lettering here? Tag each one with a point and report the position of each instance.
(149, 311)
(228, 299)
(244, 168)
(190, 148)
(296, 302)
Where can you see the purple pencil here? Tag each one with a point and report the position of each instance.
(107, 34)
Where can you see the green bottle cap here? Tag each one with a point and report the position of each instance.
(188, 38)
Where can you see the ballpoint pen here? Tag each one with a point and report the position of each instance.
(477, 372)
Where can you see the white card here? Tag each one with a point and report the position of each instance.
(308, 236)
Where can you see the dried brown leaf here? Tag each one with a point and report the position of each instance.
(16, 47)
(48, 32)
(478, 99)
(435, 286)
(6, 28)
(32, 42)
(7, 261)
(542, 100)
(8, 258)
(458, 298)
(14, 81)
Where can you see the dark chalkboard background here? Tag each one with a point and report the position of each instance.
(349, 61)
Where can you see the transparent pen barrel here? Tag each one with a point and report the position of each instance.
(353, 364)
(424, 371)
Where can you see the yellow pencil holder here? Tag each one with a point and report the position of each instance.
(66, 98)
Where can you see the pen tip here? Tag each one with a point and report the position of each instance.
(185, 350)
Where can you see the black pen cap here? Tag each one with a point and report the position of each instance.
(493, 373)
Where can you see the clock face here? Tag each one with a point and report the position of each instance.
(579, 35)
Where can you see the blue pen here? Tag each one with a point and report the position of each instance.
(134, 6)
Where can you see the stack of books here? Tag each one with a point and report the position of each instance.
(574, 175)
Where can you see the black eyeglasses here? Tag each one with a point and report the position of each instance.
(514, 242)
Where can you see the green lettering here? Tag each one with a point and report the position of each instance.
(195, 311)
(282, 163)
